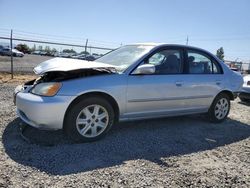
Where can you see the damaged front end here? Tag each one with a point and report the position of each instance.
(61, 69)
(52, 72)
(38, 100)
(58, 76)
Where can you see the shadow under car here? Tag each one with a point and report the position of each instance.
(149, 140)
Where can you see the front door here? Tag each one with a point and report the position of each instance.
(160, 93)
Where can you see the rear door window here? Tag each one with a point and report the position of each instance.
(199, 63)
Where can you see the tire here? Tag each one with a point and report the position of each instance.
(244, 100)
(89, 120)
(219, 109)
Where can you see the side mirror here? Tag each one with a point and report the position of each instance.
(145, 69)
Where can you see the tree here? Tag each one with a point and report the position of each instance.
(69, 51)
(220, 53)
(33, 48)
(53, 50)
(83, 52)
(40, 48)
(23, 48)
(47, 49)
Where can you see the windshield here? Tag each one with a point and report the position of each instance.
(125, 56)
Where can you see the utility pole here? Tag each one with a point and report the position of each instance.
(11, 54)
(187, 40)
(86, 47)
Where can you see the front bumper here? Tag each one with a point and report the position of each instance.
(42, 112)
(244, 95)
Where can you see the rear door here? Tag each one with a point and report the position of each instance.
(203, 79)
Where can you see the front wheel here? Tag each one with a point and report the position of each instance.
(89, 120)
(219, 109)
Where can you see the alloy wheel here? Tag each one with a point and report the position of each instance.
(92, 121)
(221, 108)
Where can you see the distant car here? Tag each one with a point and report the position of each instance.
(132, 82)
(36, 52)
(86, 57)
(81, 56)
(43, 53)
(56, 54)
(64, 54)
(234, 69)
(90, 58)
(244, 95)
(7, 52)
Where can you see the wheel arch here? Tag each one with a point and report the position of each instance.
(228, 93)
(104, 95)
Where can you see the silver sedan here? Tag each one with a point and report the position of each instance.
(133, 82)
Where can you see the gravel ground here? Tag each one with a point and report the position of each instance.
(171, 152)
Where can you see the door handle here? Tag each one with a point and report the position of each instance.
(178, 84)
(218, 82)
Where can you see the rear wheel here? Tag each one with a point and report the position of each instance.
(89, 120)
(220, 108)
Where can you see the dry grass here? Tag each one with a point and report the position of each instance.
(18, 78)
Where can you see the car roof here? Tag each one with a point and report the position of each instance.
(158, 45)
(165, 44)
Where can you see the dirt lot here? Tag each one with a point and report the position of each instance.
(21, 64)
(171, 152)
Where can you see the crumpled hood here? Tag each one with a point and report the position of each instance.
(67, 64)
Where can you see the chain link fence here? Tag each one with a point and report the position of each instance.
(38, 48)
(43, 47)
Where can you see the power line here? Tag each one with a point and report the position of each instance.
(22, 33)
(61, 36)
(55, 43)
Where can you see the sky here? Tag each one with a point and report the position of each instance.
(208, 24)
